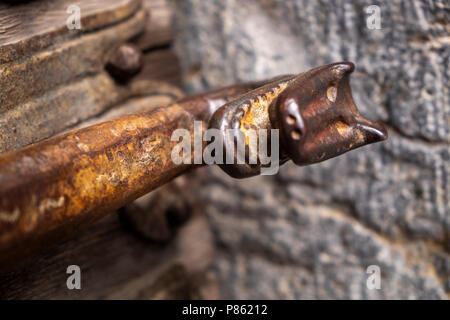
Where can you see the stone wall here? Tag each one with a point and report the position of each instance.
(312, 232)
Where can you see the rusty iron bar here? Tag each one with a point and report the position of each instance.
(52, 189)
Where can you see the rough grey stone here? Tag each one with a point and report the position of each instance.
(312, 232)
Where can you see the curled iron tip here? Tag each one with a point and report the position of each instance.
(314, 112)
(318, 117)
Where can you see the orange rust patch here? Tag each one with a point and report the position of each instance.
(332, 93)
(341, 128)
(257, 114)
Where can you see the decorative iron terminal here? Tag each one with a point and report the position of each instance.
(54, 188)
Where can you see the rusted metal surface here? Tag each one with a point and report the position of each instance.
(54, 188)
(316, 127)
(66, 183)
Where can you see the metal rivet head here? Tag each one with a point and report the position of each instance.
(125, 62)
